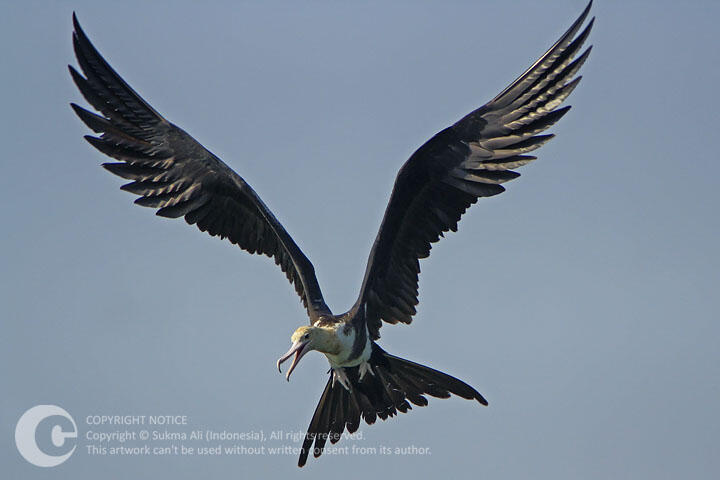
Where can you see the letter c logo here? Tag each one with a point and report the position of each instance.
(46, 435)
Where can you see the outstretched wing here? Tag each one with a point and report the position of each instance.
(172, 172)
(468, 160)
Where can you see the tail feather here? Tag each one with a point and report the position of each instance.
(339, 417)
(439, 381)
(352, 422)
(392, 386)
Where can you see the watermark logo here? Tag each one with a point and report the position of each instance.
(46, 435)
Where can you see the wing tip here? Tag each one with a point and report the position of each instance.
(80, 112)
(92, 121)
(74, 73)
(77, 29)
(92, 140)
(586, 11)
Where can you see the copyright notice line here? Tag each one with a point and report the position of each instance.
(48, 435)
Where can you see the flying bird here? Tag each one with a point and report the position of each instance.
(173, 173)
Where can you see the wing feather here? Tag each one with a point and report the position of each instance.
(462, 163)
(171, 172)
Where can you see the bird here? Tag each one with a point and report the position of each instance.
(173, 173)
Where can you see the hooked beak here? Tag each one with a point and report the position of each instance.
(298, 348)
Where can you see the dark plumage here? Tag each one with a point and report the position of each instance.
(395, 385)
(173, 173)
(468, 160)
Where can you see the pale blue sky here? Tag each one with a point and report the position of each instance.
(582, 303)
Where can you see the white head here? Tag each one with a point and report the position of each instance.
(306, 339)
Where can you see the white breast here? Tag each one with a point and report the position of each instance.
(347, 341)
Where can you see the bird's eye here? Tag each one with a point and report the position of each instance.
(307, 335)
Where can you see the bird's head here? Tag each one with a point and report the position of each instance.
(306, 339)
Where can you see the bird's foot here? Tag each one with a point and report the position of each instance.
(339, 375)
(365, 368)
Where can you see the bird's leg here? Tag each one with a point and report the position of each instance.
(364, 368)
(339, 375)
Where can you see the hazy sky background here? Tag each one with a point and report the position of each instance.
(583, 302)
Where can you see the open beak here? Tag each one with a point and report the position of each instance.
(298, 348)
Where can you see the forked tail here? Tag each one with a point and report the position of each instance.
(391, 387)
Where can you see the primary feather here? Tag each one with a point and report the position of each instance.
(172, 172)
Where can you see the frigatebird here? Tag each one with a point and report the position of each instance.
(172, 172)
